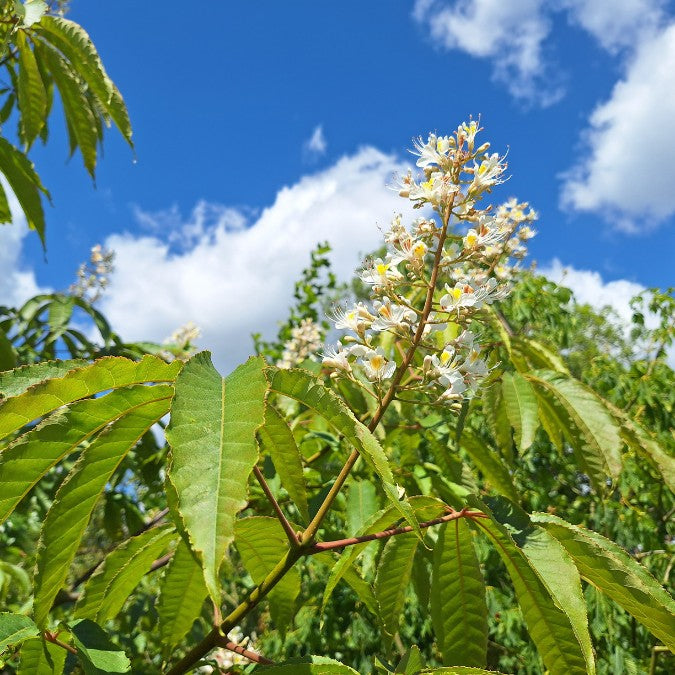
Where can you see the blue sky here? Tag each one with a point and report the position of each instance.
(225, 101)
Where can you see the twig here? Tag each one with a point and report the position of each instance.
(288, 528)
(323, 546)
(251, 656)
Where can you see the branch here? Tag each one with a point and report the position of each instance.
(251, 656)
(288, 528)
(385, 534)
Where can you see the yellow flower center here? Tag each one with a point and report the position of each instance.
(445, 357)
(377, 362)
(419, 250)
(381, 268)
(471, 240)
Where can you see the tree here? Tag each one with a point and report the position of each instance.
(42, 53)
(466, 479)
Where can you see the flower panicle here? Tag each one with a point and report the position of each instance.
(480, 253)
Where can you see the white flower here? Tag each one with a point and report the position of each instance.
(474, 368)
(439, 189)
(410, 250)
(380, 273)
(462, 295)
(455, 387)
(434, 151)
(486, 174)
(392, 316)
(376, 365)
(336, 357)
(357, 318)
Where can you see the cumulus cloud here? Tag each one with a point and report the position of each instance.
(316, 144)
(509, 34)
(232, 280)
(590, 288)
(626, 170)
(17, 283)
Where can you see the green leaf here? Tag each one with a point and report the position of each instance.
(106, 591)
(539, 355)
(425, 507)
(363, 591)
(181, 597)
(17, 381)
(521, 408)
(361, 503)
(490, 465)
(26, 460)
(15, 628)
(590, 428)
(393, 578)
(458, 606)
(76, 45)
(411, 663)
(7, 353)
(76, 108)
(5, 211)
(305, 388)
(278, 441)
(212, 432)
(611, 570)
(554, 567)
(26, 185)
(39, 657)
(311, 665)
(97, 653)
(549, 627)
(497, 419)
(71, 510)
(110, 372)
(261, 543)
(459, 670)
(32, 94)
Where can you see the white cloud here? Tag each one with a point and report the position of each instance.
(590, 288)
(616, 25)
(316, 144)
(509, 34)
(17, 284)
(232, 281)
(626, 172)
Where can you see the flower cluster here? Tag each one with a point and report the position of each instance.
(92, 276)
(306, 340)
(436, 277)
(181, 343)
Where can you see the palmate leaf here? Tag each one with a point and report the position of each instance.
(361, 504)
(490, 464)
(31, 90)
(458, 670)
(17, 381)
(424, 507)
(278, 441)
(212, 435)
(589, 427)
(261, 543)
(305, 388)
(554, 567)
(548, 625)
(97, 653)
(14, 629)
(393, 577)
(538, 355)
(521, 408)
(5, 211)
(7, 353)
(497, 419)
(26, 460)
(82, 120)
(106, 591)
(110, 372)
(39, 657)
(458, 606)
(611, 570)
(181, 597)
(71, 510)
(311, 665)
(76, 46)
(26, 185)
(411, 663)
